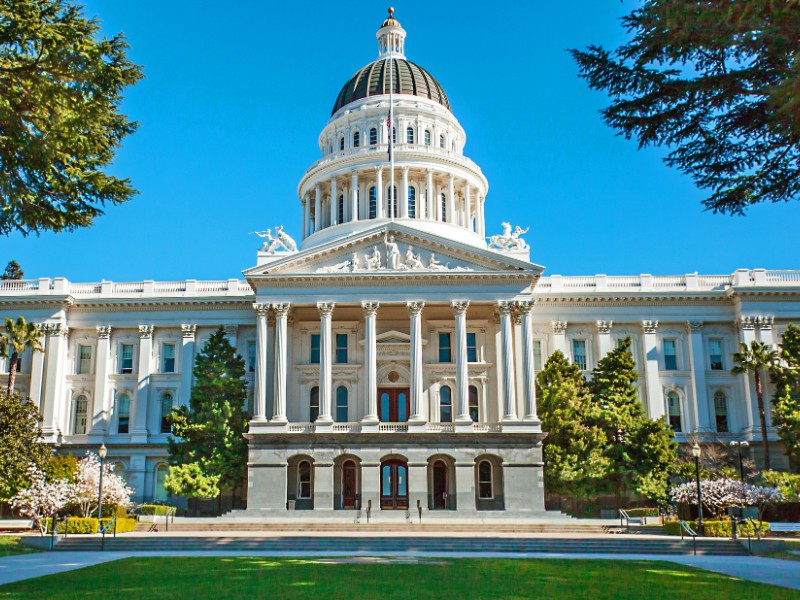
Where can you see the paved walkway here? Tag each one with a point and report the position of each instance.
(783, 573)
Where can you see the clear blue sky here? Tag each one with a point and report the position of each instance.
(237, 92)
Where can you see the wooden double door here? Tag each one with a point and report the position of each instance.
(393, 404)
(394, 485)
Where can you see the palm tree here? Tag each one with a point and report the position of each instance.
(754, 359)
(14, 340)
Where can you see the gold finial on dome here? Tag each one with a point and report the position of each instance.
(391, 12)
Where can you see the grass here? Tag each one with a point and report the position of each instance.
(11, 545)
(788, 554)
(333, 579)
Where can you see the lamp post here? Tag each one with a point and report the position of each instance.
(696, 454)
(739, 446)
(101, 452)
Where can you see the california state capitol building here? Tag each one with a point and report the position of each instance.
(393, 337)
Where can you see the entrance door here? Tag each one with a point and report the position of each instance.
(349, 485)
(394, 485)
(439, 485)
(393, 405)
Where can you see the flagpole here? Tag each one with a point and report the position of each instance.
(392, 194)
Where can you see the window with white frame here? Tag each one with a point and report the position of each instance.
(474, 404)
(674, 411)
(340, 209)
(304, 479)
(409, 135)
(427, 137)
(341, 348)
(313, 357)
(721, 411)
(81, 415)
(715, 355)
(392, 193)
(445, 347)
(356, 139)
(537, 355)
(670, 355)
(168, 358)
(84, 359)
(126, 359)
(341, 143)
(342, 409)
(441, 141)
(445, 404)
(485, 491)
(373, 203)
(313, 404)
(412, 202)
(373, 137)
(579, 353)
(251, 357)
(444, 207)
(472, 347)
(166, 411)
(123, 413)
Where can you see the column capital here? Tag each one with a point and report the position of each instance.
(505, 307)
(188, 331)
(559, 327)
(524, 307)
(415, 308)
(325, 308)
(604, 326)
(451, 177)
(649, 326)
(694, 326)
(146, 332)
(53, 329)
(429, 170)
(262, 310)
(104, 332)
(379, 169)
(459, 307)
(765, 322)
(282, 309)
(370, 308)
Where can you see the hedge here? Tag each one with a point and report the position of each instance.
(642, 512)
(159, 510)
(81, 525)
(718, 528)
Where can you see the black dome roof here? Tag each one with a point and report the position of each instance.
(407, 78)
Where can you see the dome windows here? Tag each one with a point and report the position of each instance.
(341, 143)
(356, 139)
(409, 135)
(373, 137)
(441, 141)
(412, 202)
(373, 202)
(427, 137)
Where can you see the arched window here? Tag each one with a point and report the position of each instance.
(721, 411)
(166, 409)
(427, 137)
(485, 490)
(123, 413)
(313, 404)
(674, 411)
(340, 209)
(412, 202)
(373, 202)
(444, 207)
(356, 139)
(341, 143)
(304, 479)
(445, 404)
(159, 491)
(474, 411)
(392, 192)
(81, 414)
(373, 137)
(409, 135)
(441, 141)
(342, 414)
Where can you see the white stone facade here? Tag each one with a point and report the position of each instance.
(391, 359)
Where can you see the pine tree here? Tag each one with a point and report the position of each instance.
(786, 400)
(21, 444)
(641, 451)
(574, 450)
(13, 271)
(211, 429)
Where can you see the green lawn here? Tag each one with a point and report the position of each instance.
(10, 545)
(439, 579)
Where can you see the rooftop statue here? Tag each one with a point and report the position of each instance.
(509, 240)
(272, 244)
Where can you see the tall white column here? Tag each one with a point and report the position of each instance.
(187, 362)
(55, 357)
(451, 200)
(604, 342)
(281, 361)
(334, 207)
(525, 308)
(404, 194)
(560, 337)
(37, 371)
(262, 358)
(509, 391)
(467, 207)
(354, 196)
(462, 364)
(370, 361)
(655, 396)
(99, 425)
(418, 415)
(429, 212)
(139, 432)
(317, 208)
(379, 212)
(325, 362)
(482, 218)
(702, 409)
(306, 212)
(747, 334)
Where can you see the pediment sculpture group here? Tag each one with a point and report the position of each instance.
(281, 241)
(509, 240)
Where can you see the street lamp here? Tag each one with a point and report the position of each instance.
(696, 454)
(739, 446)
(101, 452)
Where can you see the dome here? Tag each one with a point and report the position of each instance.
(408, 78)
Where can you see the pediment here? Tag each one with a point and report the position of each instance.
(396, 250)
(393, 337)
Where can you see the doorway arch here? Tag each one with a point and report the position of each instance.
(394, 484)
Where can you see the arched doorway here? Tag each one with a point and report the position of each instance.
(393, 405)
(440, 485)
(349, 485)
(394, 484)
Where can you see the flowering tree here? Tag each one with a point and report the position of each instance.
(721, 494)
(87, 481)
(42, 498)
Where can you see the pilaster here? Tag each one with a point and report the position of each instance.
(102, 398)
(655, 397)
(139, 418)
(702, 408)
(560, 336)
(604, 342)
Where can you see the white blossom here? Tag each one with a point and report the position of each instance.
(42, 498)
(87, 483)
(721, 494)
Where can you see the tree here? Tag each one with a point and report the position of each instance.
(13, 271)
(190, 481)
(61, 88)
(716, 83)
(211, 430)
(721, 494)
(756, 359)
(21, 444)
(641, 451)
(786, 400)
(62, 466)
(84, 491)
(13, 342)
(42, 499)
(574, 450)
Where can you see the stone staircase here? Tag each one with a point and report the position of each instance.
(218, 525)
(377, 545)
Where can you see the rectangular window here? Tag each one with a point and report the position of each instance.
(579, 353)
(445, 350)
(314, 356)
(168, 358)
(123, 413)
(721, 412)
(251, 357)
(126, 359)
(715, 355)
(373, 136)
(674, 409)
(472, 348)
(81, 411)
(537, 355)
(84, 360)
(341, 348)
(670, 356)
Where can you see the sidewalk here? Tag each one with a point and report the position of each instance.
(783, 573)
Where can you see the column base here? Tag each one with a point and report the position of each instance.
(464, 426)
(510, 419)
(279, 420)
(417, 426)
(462, 419)
(369, 426)
(323, 425)
(267, 427)
(139, 437)
(521, 427)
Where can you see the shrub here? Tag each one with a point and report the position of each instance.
(155, 509)
(123, 525)
(718, 528)
(82, 526)
(642, 512)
